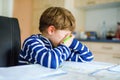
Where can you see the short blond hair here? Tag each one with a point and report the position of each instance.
(60, 18)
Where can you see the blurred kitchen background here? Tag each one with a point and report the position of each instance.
(97, 22)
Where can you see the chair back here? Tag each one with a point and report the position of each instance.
(10, 41)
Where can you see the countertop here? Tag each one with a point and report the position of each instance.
(99, 40)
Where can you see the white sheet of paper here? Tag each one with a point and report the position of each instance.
(85, 67)
(68, 70)
(28, 72)
(116, 68)
(107, 75)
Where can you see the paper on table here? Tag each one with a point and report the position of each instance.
(116, 68)
(106, 75)
(71, 76)
(85, 67)
(28, 72)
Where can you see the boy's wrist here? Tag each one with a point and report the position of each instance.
(73, 44)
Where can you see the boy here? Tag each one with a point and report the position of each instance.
(51, 48)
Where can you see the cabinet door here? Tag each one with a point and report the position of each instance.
(116, 0)
(87, 3)
(105, 52)
(106, 57)
(104, 1)
(84, 3)
(117, 57)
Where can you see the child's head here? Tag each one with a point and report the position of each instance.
(57, 19)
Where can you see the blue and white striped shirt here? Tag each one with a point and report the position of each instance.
(38, 50)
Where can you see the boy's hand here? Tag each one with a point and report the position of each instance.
(68, 40)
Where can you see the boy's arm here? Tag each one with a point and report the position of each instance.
(80, 52)
(36, 52)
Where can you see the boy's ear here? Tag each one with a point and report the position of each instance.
(51, 30)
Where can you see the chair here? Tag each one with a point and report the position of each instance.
(10, 42)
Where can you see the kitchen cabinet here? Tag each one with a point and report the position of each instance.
(105, 52)
(92, 3)
(84, 3)
(106, 1)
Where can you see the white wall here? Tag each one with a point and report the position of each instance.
(1, 7)
(118, 14)
(6, 8)
(95, 18)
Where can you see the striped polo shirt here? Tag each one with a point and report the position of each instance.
(37, 49)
